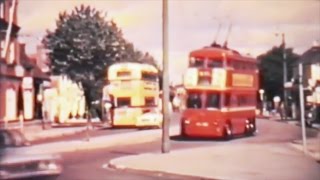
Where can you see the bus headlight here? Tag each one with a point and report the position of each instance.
(187, 121)
(205, 124)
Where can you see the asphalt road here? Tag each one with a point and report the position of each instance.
(100, 131)
(89, 164)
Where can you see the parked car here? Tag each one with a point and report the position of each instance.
(152, 118)
(17, 163)
(312, 115)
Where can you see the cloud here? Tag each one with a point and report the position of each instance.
(192, 23)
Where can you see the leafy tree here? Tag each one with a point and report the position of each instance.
(82, 46)
(271, 70)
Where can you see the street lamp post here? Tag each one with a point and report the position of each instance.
(302, 106)
(165, 148)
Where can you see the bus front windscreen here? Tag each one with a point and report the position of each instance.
(194, 101)
(213, 100)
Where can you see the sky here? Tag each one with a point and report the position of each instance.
(193, 24)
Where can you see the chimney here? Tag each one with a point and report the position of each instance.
(22, 49)
(315, 44)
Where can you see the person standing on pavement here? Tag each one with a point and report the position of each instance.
(107, 101)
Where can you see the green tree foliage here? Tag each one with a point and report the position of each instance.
(82, 47)
(271, 70)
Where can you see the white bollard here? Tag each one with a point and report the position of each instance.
(21, 121)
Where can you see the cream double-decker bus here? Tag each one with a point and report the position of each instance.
(135, 91)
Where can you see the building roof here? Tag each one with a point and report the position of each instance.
(30, 62)
(311, 56)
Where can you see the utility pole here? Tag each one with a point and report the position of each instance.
(285, 95)
(302, 106)
(8, 33)
(165, 146)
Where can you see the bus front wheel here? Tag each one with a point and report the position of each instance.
(227, 133)
(250, 127)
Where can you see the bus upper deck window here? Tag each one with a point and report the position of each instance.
(196, 62)
(214, 63)
(123, 73)
(149, 76)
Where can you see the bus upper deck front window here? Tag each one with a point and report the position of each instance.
(213, 100)
(147, 76)
(194, 101)
(123, 74)
(196, 62)
(215, 63)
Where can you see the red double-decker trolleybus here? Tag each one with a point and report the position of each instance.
(221, 87)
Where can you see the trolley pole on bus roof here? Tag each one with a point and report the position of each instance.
(165, 145)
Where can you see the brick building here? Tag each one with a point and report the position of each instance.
(19, 74)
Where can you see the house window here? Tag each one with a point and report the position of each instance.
(11, 53)
(2, 53)
(1, 10)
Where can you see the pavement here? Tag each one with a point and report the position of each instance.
(233, 161)
(312, 148)
(34, 131)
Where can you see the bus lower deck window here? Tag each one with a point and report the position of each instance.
(213, 100)
(194, 101)
(150, 101)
